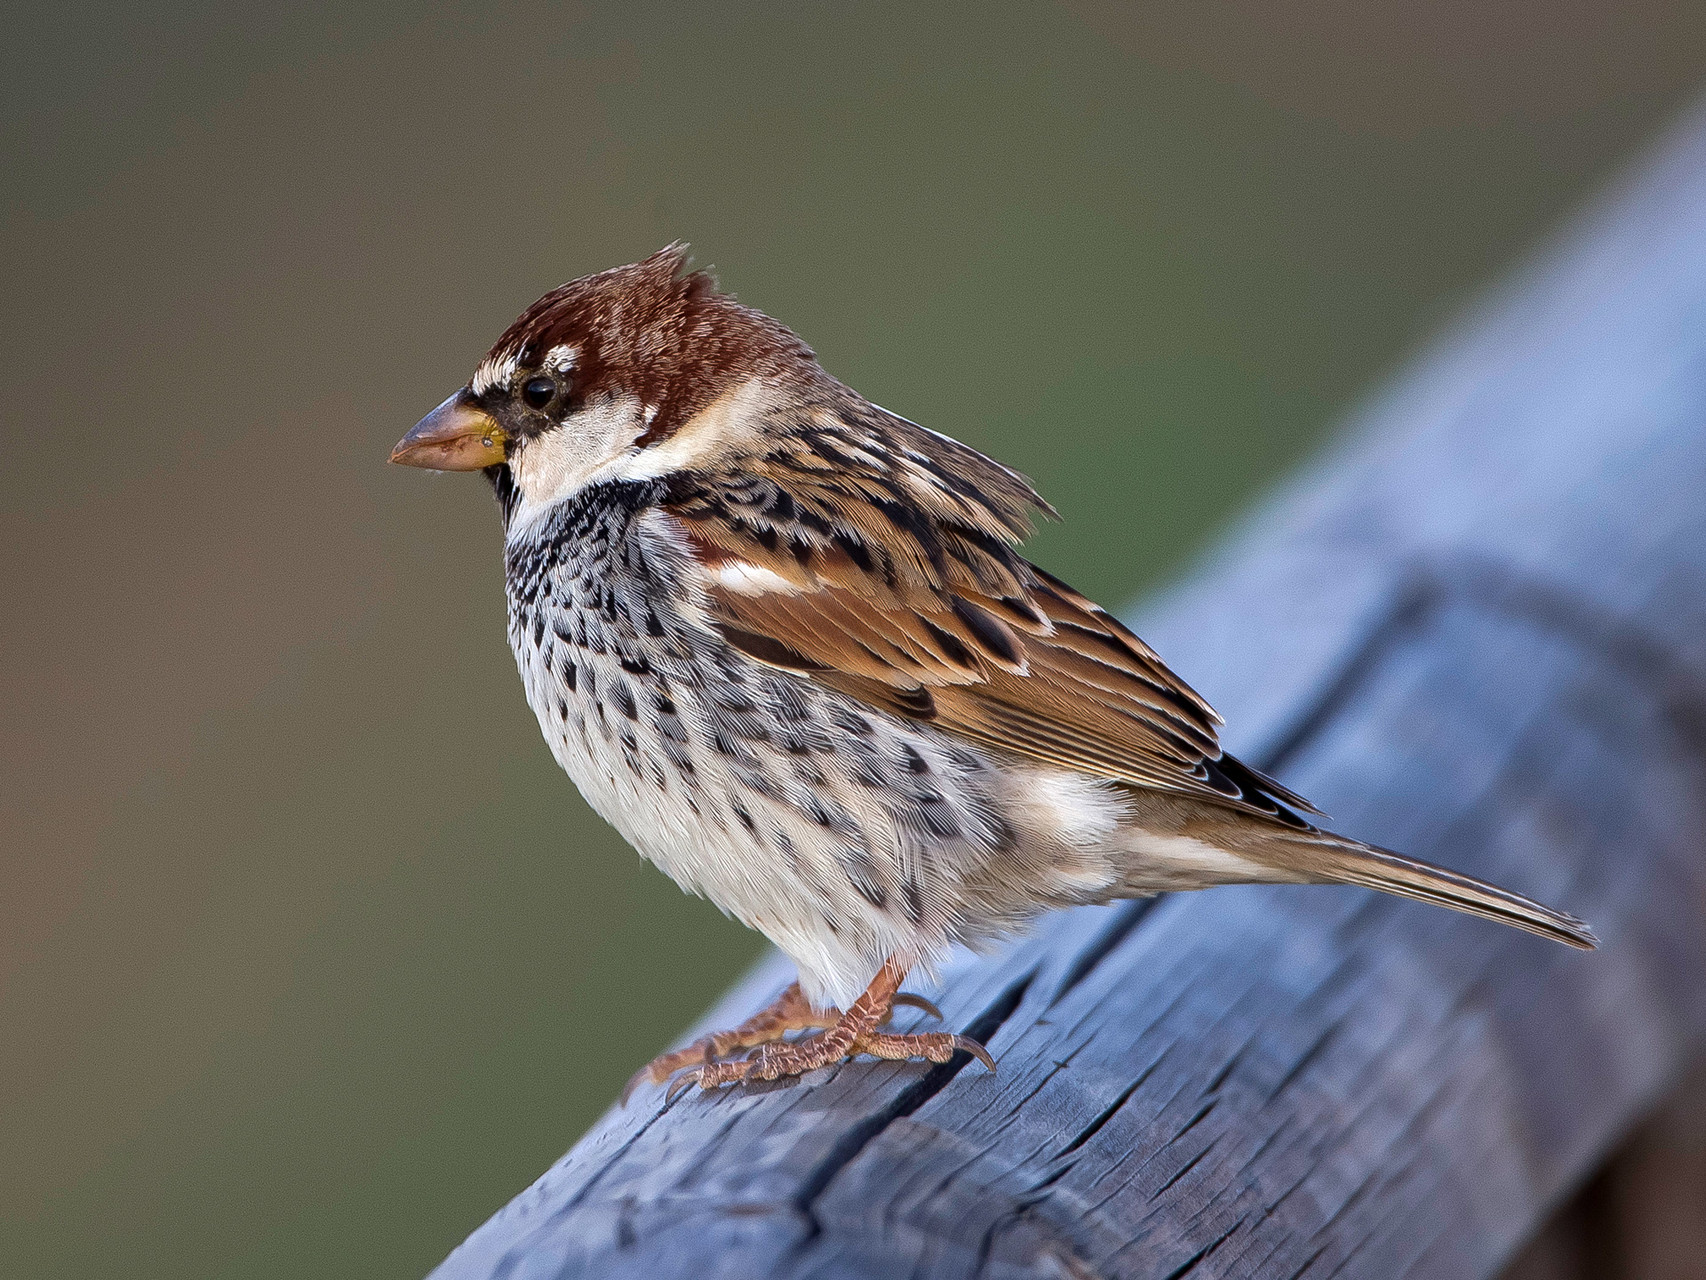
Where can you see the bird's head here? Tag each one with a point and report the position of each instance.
(597, 380)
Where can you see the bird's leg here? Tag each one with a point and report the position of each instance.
(853, 1033)
(790, 1011)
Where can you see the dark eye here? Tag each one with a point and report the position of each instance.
(538, 392)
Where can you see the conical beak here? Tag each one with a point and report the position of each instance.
(456, 436)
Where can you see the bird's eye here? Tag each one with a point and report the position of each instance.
(538, 392)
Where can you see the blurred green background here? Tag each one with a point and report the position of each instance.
(309, 957)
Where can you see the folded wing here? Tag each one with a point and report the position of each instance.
(889, 573)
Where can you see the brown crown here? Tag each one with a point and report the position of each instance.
(658, 332)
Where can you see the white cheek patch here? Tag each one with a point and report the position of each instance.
(558, 464)
(596, 445)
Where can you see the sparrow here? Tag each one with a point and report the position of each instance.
(783, 641)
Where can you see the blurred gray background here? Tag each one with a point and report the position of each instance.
(309, 956)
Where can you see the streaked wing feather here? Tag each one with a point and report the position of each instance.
(897, 583)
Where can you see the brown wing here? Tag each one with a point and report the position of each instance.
(877, 558)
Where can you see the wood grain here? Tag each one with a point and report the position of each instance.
(1475, 632)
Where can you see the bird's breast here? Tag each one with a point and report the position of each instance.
(841, 832)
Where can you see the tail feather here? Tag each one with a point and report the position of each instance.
(1336, 860)
(1180, 842)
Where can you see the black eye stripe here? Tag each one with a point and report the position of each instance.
(539, 392)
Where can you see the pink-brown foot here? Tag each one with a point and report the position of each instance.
(932, 1046)
(788, 1012)
(854, 1033)
(773, 1061)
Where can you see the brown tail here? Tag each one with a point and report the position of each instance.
(1333, 859)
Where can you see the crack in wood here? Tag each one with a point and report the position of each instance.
(1304, 1059)
(1202, 1113)
(1219, 1078)
(1186, 1168)
(1089, 1131)
(1203, 1254)
(1044, 1183)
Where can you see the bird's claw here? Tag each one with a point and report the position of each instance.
(773, 1061)
(918, 1002)
(789, 1012)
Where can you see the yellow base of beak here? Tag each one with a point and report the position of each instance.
(457, 436)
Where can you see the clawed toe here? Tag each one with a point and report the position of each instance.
(931, 1046)
(837, 1037)
(789, 1012)
(681, 1083)
(713, 1075)
(773, 1061)
(968, 1045)
(918, 1002)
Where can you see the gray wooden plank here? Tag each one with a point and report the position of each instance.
(1475, 631)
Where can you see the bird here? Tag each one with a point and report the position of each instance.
(784, 641)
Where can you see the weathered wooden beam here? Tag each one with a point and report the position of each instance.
(1477, 633)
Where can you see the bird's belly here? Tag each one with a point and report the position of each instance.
(703, 826)
(875, 840)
